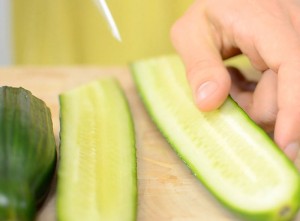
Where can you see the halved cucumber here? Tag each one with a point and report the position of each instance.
(97, 174)
(237, 162)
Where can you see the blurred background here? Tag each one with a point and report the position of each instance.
(66, 32)
(5, 33)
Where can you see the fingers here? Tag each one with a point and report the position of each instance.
(264, 107)
(283, 56)
(261, 103)
(287, 130)
(269, 104)
(270, 39)
(279, 46)
(241, 90)
(198, 47)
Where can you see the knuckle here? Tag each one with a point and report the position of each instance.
(177, 30)
(266, 117)
(202, 65)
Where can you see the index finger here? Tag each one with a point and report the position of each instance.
(282, 55)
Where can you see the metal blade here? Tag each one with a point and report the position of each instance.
(109, 18)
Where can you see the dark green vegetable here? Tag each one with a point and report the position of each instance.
(27, 153)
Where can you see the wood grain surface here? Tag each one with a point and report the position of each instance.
(167, 190)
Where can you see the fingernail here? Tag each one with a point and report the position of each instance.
(292, 150)
(206, 89)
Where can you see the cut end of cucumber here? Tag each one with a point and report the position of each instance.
(16, 203)
(234, 158)
(97, 176)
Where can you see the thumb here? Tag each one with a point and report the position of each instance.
(210, 82)
(206, 73)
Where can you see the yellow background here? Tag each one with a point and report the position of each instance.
(62, 32)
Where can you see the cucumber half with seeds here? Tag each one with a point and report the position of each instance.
(97, 173)
(234, 158)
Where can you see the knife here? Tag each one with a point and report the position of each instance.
(109, 18)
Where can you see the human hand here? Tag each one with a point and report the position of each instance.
(268, 32)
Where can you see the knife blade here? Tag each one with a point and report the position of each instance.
(104, 9)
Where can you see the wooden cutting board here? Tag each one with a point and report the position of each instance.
(167, 189)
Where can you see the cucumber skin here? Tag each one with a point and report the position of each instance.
(27, 153)
(245, 215)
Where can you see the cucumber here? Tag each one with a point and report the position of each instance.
(97, 177)
(27, 153)
(233, 158)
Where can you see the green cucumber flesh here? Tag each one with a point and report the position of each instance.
(234, 158)
(97, 174)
